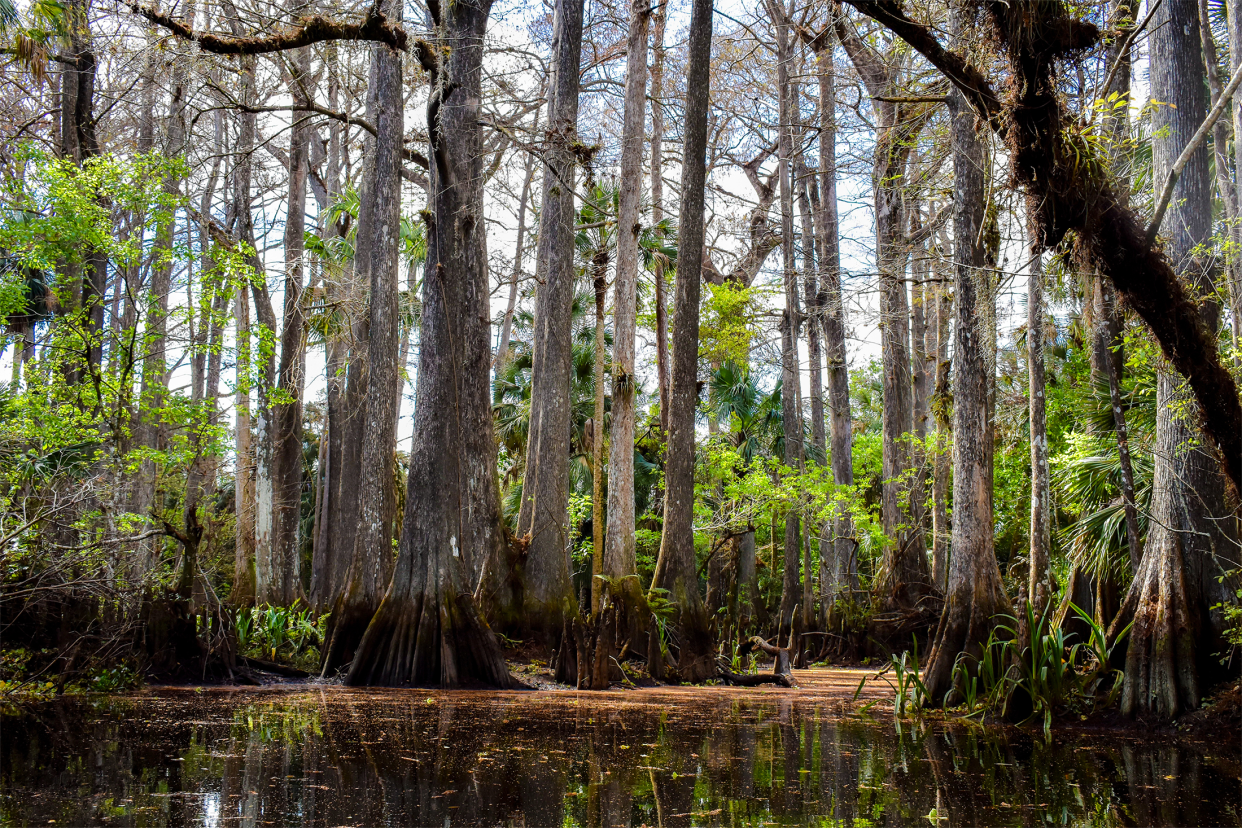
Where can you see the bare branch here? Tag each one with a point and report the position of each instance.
(313, 29)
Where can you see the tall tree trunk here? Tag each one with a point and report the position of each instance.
(905, 577)
(546, 598)
(791, 416)
(78, 143)
(506, 326)
(663, 375)
(810, 287)
(921, 374)
(205, 364)
(975, 594)
(1109, 319)
(325, 579)
(1170, 600)
(152, 432)
(842, 567)
(599, 266)
(942, 411)
(244, 481)
(675, 568)
(1039, 581)
(344, 483)
(428, 629)
(620, 562)
(380, 219)
(280, 583)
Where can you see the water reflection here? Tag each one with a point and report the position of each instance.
(337, 757)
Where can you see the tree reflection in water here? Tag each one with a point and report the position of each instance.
(339, 757)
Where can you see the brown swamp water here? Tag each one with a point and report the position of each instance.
(329, 756)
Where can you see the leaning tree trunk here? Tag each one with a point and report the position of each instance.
(1170, 601)
(544, 597)
(428, 629)
(675, 568)
(380, 219)
(975, 593)
(620, 563)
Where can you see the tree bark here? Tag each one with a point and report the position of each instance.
(620, 563)
(546, 597)
(428, 629)
(380, 220)
(975, 594)
(675, 567)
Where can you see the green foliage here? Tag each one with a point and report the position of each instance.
(281, 634)
(728, 321)
(1034, 663)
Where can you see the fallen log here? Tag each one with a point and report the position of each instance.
(755, 679)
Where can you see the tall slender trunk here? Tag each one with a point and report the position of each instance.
(791, 416)
(904, 578)
(942, 412)
(675, 568)
(428, 629)
(506, 326)
(78, 143)
(810, 287)
(204, 378)
(975, 595)
(244, 472)
(325, 576)
(600, 282)
(841, 558)
(620, 562)
(1109, 320)
(151, 431)
(1193, 529)
(279, 563)
(1039, 581)
(545, 598)
(380, 220)
(921, 374)
(663, 370)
